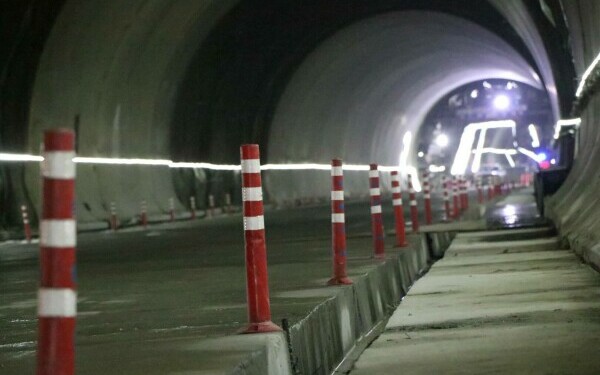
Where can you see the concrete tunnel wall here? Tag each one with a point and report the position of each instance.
(121, 68)
(574, 208)
(117, 66)
(357, 94)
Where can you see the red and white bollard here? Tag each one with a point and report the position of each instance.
(427, 198)
(26, 225)
(446, 188)
(193, 207)
(57, 297)
(376, 215)
(455, 200)
(479, 191)
(338, 225)
(172, 209)
(144, 214)
(257, 284)
(398, 211)
(497, 187)
(490, 180)
(462, 190)
(414, 212)
(211, 205)
(113, 217)
(228, 207)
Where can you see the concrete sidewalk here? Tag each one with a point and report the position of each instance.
(501, 302)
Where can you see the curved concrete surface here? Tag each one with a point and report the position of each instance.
(574, 207)
(191, 80)
(356, 95)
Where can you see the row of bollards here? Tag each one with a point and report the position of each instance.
(143, 217)
(57, 297)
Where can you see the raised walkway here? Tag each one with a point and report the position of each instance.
(508, 301)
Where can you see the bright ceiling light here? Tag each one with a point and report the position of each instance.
(565, 123)
(535, 140)
(474, 94)
(442, 140)
(501, 102)
(420, 154)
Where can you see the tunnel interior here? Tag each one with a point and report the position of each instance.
(191, 81)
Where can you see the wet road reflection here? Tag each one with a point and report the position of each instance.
(514, 211)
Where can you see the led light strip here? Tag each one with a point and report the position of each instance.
(217, 167)
(564, 123)
(535, 140)
(462, 157)
(586, 75)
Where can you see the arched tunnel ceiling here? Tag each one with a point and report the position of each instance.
(133, 75)
(362, 89)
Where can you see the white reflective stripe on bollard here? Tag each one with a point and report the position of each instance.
(337, 218)
(252, 194)
(254, 223)
(375, 191)
(59, 165)
(58, 233)
(57, 302)
(337, 195)
(250, 166)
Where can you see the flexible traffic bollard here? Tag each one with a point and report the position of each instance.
(479, 191)
(427, 198)
(446, 197)
(172, 209)
(228, 208)
(464, 194)
(57, 298)
(376, 216)
(113, 216)
(257, 284)
(144, 214)
(193, 207)
(26, 225)
(455, 203)
(338, 225)
(414, 213)
(497, 188)
(398, 211)
(211, 205)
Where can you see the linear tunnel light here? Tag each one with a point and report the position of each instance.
(565, 123)
(535, 140)
(121, 161)
(20, 157)
(467, 139)
(8, 157)
(586, 75)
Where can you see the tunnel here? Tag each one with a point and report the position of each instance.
(190, 81)
(185, 81)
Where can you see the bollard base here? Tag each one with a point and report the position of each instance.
(262, 327)
(339, 281)
(402, 244)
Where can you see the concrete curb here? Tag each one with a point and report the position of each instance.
(344, 323)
